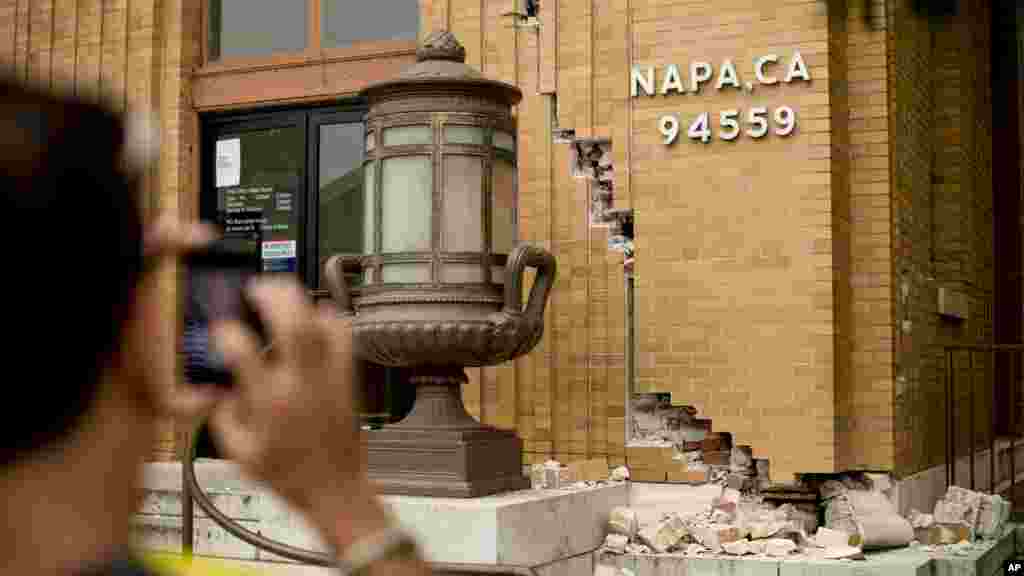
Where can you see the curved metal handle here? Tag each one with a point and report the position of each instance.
(334, 273)
(525, 255)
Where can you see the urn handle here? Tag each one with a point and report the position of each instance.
(523, 256)
(335, 269)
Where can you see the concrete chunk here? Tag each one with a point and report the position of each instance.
(694, 549)
(828, 538)
(843, 553)
(623, 520)
(919, 520)
(737, 548)
(616, 543)
(665, 535)
(779, 547)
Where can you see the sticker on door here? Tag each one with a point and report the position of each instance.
(279, 256)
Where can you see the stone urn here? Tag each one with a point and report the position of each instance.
(441, 274)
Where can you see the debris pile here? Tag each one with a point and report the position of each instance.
(961, 516)
(859, 515)
(732, 524)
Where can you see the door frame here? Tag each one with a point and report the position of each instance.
(308, 119)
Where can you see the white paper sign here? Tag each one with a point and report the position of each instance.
(229, 162)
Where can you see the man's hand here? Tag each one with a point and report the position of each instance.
(166, 241)
(290, 420)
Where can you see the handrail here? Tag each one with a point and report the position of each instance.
(991, 350)
(192, 492)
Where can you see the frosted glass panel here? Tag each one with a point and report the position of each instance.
(462, 273)
(464, 135)
(406, 273)
(463, 212)
(505, 141)
(503, 207)
(406, 204)
(369, 208)
(498, 274)
(402, 135)
(371, 141)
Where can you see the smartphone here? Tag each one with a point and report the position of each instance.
(214, 285)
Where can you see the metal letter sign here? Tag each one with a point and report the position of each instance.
(755, 122)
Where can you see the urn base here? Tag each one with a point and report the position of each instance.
(438, 449)
(445, 463)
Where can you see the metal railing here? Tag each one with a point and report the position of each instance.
(1010, 378)
(193, 495)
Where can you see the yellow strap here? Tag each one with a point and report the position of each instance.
(176, 565)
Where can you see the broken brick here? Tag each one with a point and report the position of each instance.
(717, 442)
(719, 458)
(947, 534)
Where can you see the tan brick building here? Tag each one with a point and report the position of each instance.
(787, 280)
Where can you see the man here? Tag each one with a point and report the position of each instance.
(88, 377)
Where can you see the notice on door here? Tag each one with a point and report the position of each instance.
(279, 256)
(229, 162)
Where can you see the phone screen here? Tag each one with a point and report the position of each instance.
(214, 285)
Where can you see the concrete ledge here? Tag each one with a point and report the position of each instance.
(554, 531)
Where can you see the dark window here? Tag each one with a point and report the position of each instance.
(256, 27)
(345, 22)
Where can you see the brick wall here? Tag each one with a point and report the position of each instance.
(129, 53)
(736, 248)
(942, 220)
(864, 399)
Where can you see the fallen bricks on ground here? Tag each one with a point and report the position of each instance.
(983, 514)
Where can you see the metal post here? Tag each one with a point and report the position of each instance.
(187, 510)
(950, 449)
(971, 446)
(992, 428)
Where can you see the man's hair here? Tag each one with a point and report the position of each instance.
(72, 256)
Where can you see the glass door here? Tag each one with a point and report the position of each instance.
(336, 142)
(255, 187)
